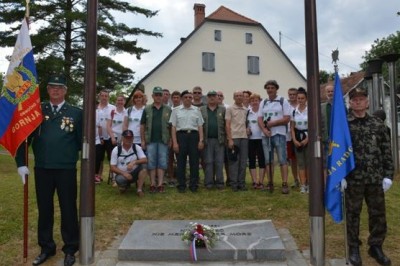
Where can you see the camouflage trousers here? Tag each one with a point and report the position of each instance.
(375, 200)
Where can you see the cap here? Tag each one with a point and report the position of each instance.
(157, 90)
(210, 93)
(127, 133)
(57, 80)
(358, 92)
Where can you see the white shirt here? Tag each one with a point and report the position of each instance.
(276, 111)
(103, 113)
(134, 123)
(255, 129)
(121, 162)
(117, 120)
(300, 119)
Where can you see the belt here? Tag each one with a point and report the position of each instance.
(187, 131)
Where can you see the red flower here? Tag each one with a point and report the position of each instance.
(199, 229)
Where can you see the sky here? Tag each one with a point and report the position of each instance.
(349, 25)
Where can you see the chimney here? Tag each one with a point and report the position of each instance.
(199, 14)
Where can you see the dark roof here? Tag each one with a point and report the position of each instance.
(348, 83)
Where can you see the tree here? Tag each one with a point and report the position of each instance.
(324, 76)
(59, 43)
(386, 45)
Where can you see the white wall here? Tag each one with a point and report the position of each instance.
(184, 69)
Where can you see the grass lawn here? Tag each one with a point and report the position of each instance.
(115, 213)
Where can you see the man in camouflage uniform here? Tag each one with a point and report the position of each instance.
(370, 179)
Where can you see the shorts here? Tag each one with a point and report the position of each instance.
(123, 182)
(277, 142)
(157, 156)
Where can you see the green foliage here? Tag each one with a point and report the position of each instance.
(59, 43)
(380, 47)
(324, 76)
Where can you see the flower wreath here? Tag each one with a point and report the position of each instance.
(199, 235)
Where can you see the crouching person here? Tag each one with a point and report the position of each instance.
(128, 163)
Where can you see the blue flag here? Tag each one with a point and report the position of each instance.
(340, 154)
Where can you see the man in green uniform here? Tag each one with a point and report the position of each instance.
(56, 144)
(371, 178)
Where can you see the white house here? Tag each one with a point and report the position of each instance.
(226, 51)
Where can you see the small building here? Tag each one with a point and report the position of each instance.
(225, 51)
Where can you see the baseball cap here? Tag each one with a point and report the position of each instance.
(210, 93)
(157, 90)
(127, 133)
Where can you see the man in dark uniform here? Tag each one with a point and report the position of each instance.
(371, 178)
(56, 144)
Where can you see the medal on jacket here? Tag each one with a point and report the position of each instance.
(67, 124)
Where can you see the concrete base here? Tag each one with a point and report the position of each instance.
(239, 240)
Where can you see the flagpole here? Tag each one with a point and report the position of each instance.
(87, 199)
(26, 187)
(335, 58)
(26, 205)
(314, 167)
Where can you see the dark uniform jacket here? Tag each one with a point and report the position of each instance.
(58, 139)
(372, 150)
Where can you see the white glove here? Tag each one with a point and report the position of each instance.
(343, 185)
(22, 171)
(386, 184)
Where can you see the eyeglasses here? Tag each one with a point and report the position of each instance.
(197, 92)
(220, 95)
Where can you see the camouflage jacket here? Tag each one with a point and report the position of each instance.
(372, 150)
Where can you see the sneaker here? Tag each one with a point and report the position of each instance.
(97, 179)
(303, 189)
(270, 187)
(171, 184)
(140, 194)
(153, 189)
(161, 189)
(285, 188)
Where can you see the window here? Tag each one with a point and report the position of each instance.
(249, 38)
(217, 35)
(208, 61)
(253, 65)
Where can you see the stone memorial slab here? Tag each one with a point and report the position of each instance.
(239, 240)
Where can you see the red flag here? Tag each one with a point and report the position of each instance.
(20, 110)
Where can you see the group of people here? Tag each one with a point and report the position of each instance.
(144, 139)
(189, 125)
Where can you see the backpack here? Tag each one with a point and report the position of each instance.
(126, 156)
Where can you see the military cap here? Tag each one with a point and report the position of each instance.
(57, 80)
(358, 92)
